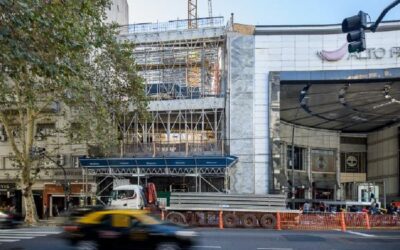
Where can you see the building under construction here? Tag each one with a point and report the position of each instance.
(182, 64)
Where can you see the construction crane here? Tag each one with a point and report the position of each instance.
(210, 8)
(192, 14)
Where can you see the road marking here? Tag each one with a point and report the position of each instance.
(14, 237)
(27, 232)
(24, 234)
(214, 247)
(36, 232)
(361, 234)
(6, 240)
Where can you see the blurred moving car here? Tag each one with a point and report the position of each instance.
(127, 229)
(9, 220)
(77, 213)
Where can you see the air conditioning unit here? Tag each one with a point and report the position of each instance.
(39, 137)
(76, 162)
(48, 164)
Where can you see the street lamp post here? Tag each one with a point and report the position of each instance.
(292, 165)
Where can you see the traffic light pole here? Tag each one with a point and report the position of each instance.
(374, 26)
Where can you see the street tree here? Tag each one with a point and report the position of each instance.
(61, 57)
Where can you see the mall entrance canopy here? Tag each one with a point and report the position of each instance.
(352, 101)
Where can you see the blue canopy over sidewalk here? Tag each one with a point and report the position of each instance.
(160, 162)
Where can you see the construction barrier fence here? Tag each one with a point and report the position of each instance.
(285, 220)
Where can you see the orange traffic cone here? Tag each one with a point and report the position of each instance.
(221, 222)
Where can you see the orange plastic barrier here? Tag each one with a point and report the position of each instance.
(339, 221)
(310, 221)
(355, 220)
(384, 221)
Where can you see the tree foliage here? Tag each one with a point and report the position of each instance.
(62, 55)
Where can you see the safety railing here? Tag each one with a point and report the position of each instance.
(173, 25)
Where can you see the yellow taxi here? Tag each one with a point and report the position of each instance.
(127, 229)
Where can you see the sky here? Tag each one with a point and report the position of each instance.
(262, 12)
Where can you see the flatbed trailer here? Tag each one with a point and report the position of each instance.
(235, 210)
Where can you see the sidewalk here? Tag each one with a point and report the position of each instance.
(51, 222)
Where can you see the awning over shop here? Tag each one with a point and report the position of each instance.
(159, 162)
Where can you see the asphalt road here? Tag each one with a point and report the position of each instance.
(230, 239)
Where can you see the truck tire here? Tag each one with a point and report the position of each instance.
(268, 221)
(230, 220)
(201, 218)
(249, 220)
(176, 218)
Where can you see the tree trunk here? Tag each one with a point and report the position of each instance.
(31, 217)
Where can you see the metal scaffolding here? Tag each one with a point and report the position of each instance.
(174, 133)
(199, 173)
(182, 73)
(181, 64)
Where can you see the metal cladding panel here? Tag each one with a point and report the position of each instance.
(93, 162)
(121, 162)
(212, 162)
(181, 162)
(151, 162)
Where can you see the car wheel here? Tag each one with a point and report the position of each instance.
(86, 245)
(167, 246)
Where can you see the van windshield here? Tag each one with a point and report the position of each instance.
(123, 194)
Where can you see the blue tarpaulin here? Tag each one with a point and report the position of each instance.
(160, 162)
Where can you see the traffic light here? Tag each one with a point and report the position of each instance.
(355, 26)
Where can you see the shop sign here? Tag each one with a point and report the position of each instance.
(368, 54)
(7, 186)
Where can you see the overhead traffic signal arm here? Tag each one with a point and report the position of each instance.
(355, 27)
(384, 12)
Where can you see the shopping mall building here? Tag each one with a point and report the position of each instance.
(298, 85)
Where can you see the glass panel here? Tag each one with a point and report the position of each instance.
(323, 160)
(299, 158)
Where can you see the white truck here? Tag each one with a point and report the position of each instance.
(134, 197)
